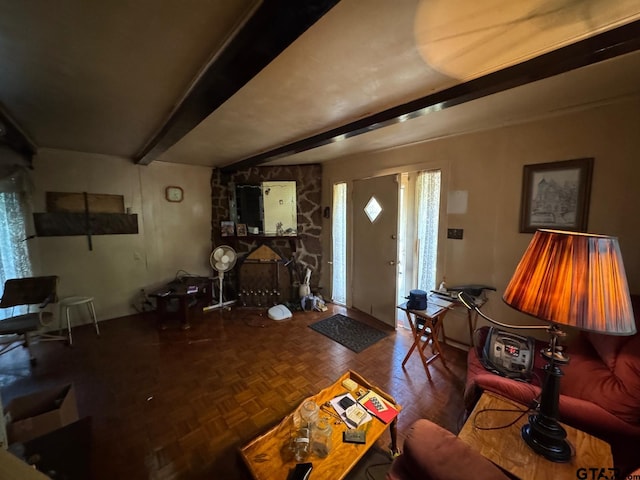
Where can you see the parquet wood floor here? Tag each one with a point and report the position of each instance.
(178, 404)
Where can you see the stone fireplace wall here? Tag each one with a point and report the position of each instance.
(308, 250)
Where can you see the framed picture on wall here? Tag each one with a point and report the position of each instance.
(241, 229)
(556, 195)
(227, 228)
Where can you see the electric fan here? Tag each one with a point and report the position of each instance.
(222, 259)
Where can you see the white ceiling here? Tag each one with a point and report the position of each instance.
(605, 82)
(104, 77)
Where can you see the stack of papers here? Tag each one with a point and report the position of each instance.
(355, 415)
(439, 301)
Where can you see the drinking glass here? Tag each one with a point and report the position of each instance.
(321, 438)
(300, 444)
(309, 413)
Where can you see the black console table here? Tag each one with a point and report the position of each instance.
(186, 291)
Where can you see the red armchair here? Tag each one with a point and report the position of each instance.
(600, 389)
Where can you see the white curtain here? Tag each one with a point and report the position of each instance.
(14, 214)
(339, 249)
(428, 211)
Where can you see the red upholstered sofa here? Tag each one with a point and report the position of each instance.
(600, 389)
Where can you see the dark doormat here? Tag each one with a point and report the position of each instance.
(346, 331)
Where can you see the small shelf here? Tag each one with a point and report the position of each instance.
(263, 238)
(55, 224)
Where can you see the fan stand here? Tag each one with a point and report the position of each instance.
(221, 303)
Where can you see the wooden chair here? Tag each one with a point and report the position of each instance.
(31, 291)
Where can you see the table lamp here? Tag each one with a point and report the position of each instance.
(572, 279)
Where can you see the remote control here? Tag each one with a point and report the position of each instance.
(301, 471)
(346, 402)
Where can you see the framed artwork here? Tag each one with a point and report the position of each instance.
(556, 195)
(241, 229)
(227, 228)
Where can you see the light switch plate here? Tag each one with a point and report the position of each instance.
(455, 233)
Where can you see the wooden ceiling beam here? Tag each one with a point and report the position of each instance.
(619, 41)
(12, 136)
(274, 26)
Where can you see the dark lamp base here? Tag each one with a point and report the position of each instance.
(546, 437)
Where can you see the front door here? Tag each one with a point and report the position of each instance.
(375, 247)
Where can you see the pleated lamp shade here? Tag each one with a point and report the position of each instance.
(574, 279)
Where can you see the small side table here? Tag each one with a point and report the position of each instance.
(472, 317)
(425, 324)
(185, 293)
(506, 448)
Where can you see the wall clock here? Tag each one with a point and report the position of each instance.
(173, 194)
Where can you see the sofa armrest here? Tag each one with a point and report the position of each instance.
(479, 379)
(593, 419)
(431, 452)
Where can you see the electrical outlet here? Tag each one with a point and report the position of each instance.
(455, 233)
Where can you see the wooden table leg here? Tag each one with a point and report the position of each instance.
(444, 335)
(417, 335)
(393, 430)
(434, 337)
(436, 352)
(161, 313)
(416, 340)
(473, 321)
(184, 317)
(414, 332)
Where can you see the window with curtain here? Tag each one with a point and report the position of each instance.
(428, 211)
(14, 213)
(339, 248)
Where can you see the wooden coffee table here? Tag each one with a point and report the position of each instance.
(268, 456)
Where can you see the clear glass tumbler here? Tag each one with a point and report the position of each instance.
(321, 438)
(309, 413)
(300, 444)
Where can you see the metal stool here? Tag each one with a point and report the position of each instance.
(68, 302)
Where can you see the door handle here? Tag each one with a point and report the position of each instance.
(392, 262)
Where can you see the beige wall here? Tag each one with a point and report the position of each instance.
(172, 236)
(488, 165)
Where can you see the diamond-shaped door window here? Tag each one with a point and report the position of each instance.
(373, 209)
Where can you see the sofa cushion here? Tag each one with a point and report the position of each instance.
(606, 371)
(609, 346)
(616, 391)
